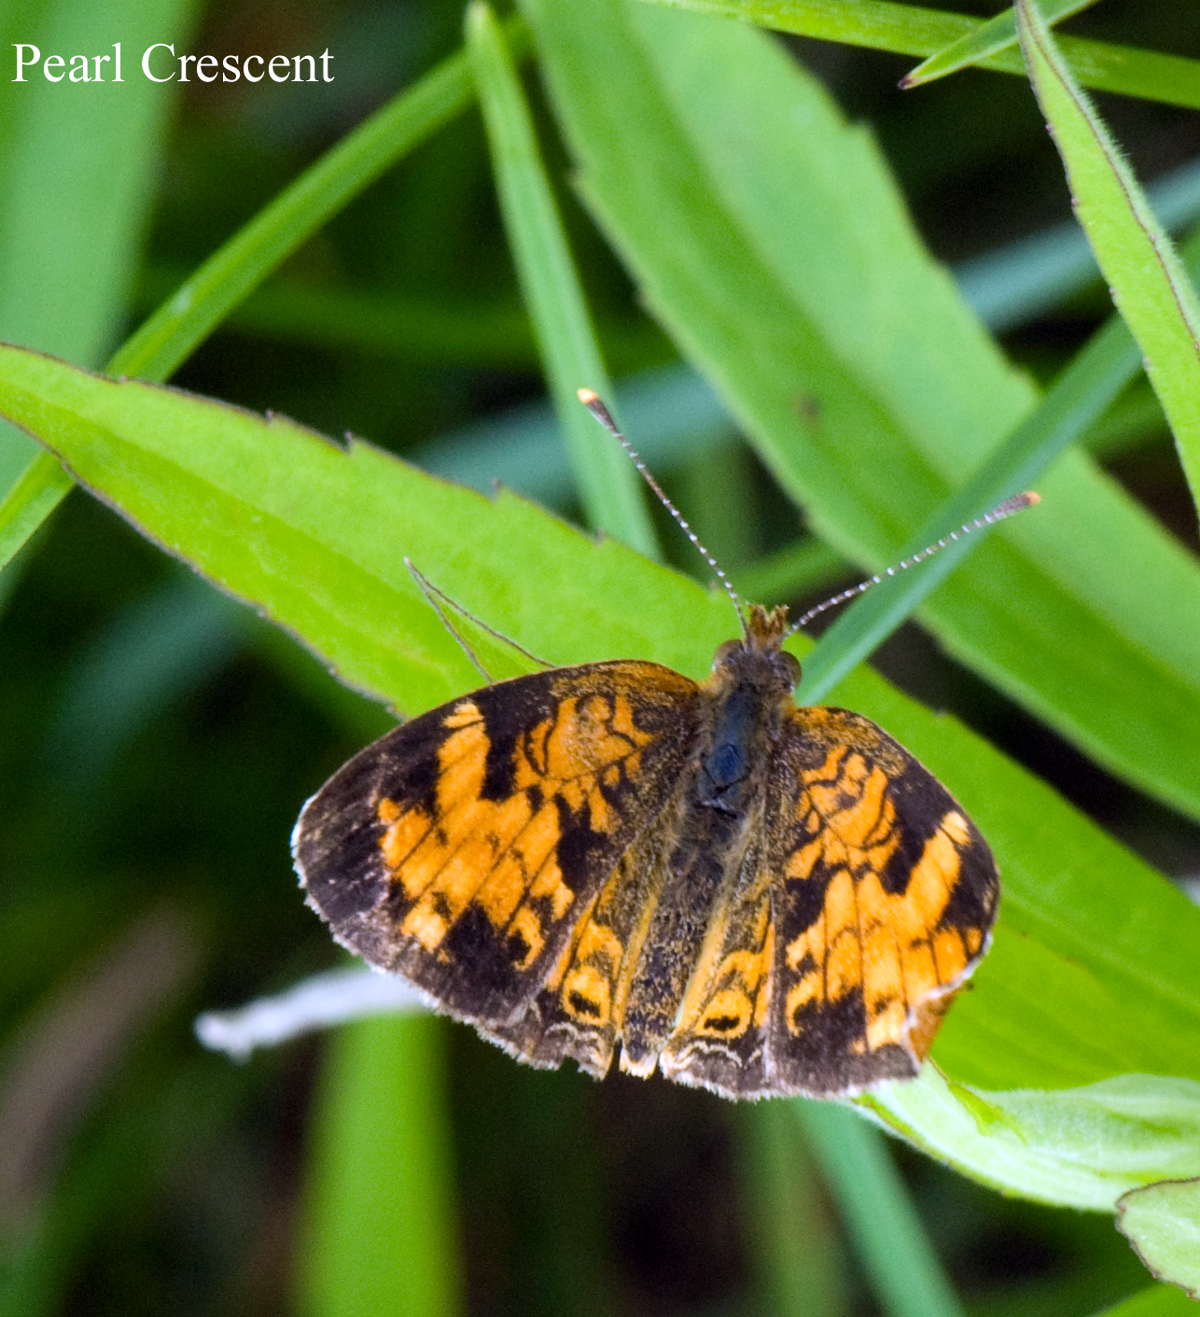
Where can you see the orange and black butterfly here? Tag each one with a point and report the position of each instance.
(749, 895)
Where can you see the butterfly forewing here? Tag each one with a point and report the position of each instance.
(464, 848)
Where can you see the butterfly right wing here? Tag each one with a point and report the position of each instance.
(469, 849)
(864, 904)
(886, 897)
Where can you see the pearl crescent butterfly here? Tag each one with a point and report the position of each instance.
(749, 895)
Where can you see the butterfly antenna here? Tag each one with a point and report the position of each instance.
(597, 408)
(1010, 506)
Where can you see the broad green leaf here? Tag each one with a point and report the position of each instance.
(1155, 1301)
(996, 34)
(606, 481)
(766, 235)
(1078, 1147)
(315, 536)
(273, 512)
(912, 30)
(1148, 283)
(1162, 1222)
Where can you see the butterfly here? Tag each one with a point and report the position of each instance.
(749, 895)
(703, 878)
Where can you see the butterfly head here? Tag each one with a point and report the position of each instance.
(759, 655)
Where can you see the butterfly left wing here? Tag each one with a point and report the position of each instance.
(867, 906)
(464, 848)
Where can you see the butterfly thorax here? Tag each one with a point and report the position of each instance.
(750, 688)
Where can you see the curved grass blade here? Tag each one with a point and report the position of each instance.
(607, 483)
(158, 346)
(912, 30)
(1148, 282)
(996, 34)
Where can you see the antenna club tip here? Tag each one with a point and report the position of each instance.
(593, 402)
(1018, 503)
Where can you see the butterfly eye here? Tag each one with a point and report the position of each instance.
(725, 652)
(791, 665)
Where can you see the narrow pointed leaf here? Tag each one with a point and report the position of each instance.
(1148, 282)
(996, 34)
(913, 30)
(606, 481)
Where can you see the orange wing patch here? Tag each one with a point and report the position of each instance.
(499, 855)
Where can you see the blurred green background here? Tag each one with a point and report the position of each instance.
(157, 740)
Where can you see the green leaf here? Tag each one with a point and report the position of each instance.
(73, 210)
(315, 536)
(1078, 1147)
(911, 30)
(604, 477)
(1156, 1301)
(1135, 253)
(766, 235)
(1162, 1222)
(857, 1167)
(382, 1171)
(996, 34)
(273, 512)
